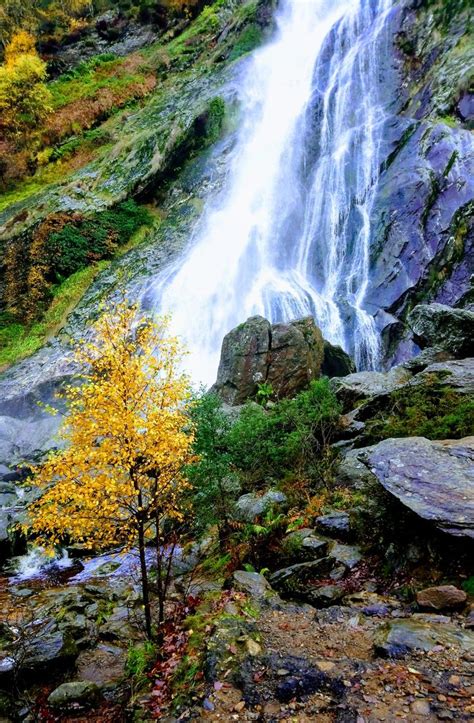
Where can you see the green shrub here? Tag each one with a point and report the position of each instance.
(78, 244)
(139, 661)
(468, 585)
(432, 410)
(214, 484)
(251, 38)
(288, 437)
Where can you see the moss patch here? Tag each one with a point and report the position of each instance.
(432, 410)
(18, 341)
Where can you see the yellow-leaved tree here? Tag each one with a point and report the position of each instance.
(24, 96)
(127, 440)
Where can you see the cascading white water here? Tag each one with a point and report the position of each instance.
(290, 234)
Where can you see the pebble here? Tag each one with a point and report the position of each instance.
(325, 666)
(421, 707)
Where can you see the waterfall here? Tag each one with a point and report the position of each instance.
(290, 234)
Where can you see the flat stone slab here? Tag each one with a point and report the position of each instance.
(433, 479)
(402, 636)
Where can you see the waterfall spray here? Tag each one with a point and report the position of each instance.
(290, 235)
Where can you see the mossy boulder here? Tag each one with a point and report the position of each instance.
(442, 327)
(286, 357)
(75, 693)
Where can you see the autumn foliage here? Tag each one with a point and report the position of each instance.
(24, 97)
(127, 440)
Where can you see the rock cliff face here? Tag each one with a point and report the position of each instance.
(422, 244)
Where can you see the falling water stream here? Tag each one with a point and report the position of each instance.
(289, 235)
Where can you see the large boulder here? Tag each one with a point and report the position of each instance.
(442, 327)
(336, 362)
(355, 388)
(74, 693)
(286, 356)
(433, 479)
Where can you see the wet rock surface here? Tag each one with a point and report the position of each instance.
(440, 326)
(433, 479)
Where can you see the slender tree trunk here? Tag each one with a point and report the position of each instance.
(159, 568)
(144, 576)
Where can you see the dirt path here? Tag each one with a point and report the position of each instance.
(353, 686)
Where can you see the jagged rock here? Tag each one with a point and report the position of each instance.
(335, 524)
(286, 356)
(425, 358)
(336, 362)
(397, 638)
(325, 595)
(351, 471)
(356, 387)
(442, 327)
(457, 374)
(443, 597)
(293, 579)
(347, 555)
(251, 505)
(76, 692)
(433, 479)
(252, 583)
(424, 199)
(303, 546)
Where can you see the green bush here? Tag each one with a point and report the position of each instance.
(290, 436)
(214, 483)
(251, 38)
(78, 244)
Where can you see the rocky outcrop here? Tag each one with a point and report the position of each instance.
(285, 356)
(423, 221)
(370, 398)
(353, 389)
(336, 362)
(441, 327)
(433, 479)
